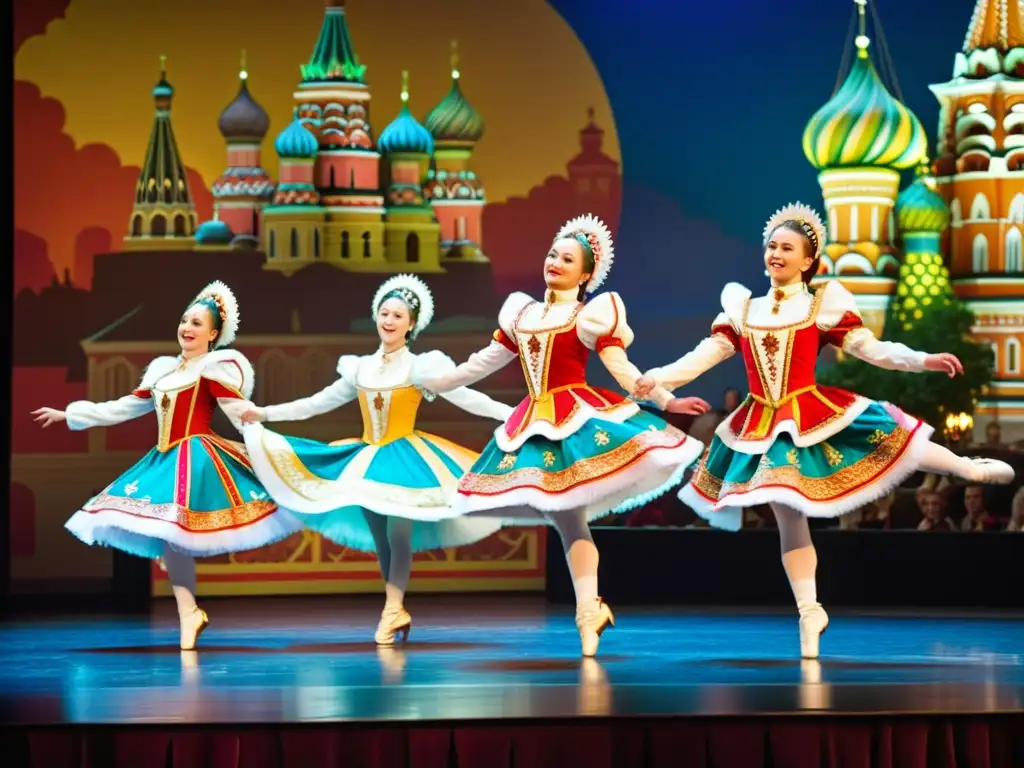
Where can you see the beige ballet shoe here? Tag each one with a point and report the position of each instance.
(992, 471)
(813, 622)
(591, 621)
(393, 621)
(192, 625)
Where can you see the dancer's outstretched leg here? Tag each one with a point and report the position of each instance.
(800, 560)
(592, 615)
(181, 572)
(942, 461)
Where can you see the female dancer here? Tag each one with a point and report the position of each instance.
(805, 449)
(194, 494)
(383, 492)
(570, 452)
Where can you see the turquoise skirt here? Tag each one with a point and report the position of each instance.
(200, 497)
(337, 489)
(604, 467)
(866, 460)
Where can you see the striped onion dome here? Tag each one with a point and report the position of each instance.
(455, 119)
(862, 124)
(919, 208)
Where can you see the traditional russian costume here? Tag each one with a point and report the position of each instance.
(820, 450)
(195, 490)
(392, 468)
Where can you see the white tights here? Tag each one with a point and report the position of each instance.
(799, 558)
(580, 551)
(181, 572)
(392, 536)
(942, 461)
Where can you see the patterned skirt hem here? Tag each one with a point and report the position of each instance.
(726, 512)
(651, 475)
(347, 527)
(148, 537)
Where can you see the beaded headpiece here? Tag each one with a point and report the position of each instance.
(806, 217)
(414, 292)
(593, 235)
(221, 301)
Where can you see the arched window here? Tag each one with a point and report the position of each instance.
(980, 208)
(1013, 250)
(412, 247)
(366, 245)
(1017, 209)
(1012, 356)
(179, 225)
(158, 225)
(274, 377)
(955, 214)
(345, 251)
(979, 254)
(294, 245)
(118, 378)
(272, 244)
(137, 225)
(316, 243)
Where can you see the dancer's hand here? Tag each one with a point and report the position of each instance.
(644, 386)
(945, 362)
(48, 416)
(693, 406)
(253, 415)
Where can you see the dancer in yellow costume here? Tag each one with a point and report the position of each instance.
(388, 490)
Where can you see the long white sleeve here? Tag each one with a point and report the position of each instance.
(480, 365)
(706, 355)
(479, 404)
(891, 355)
(336, 395)
(626, 374)
(83, 414)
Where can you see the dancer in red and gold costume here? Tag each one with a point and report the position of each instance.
(805, 449)
(194, 494)
(570, 452)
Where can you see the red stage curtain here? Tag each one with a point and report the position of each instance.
(806, 742)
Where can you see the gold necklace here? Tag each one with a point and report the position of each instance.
(779, 295)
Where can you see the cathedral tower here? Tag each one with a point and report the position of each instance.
(164, 216)
(859, 141)
(452, 185)
(980, 173)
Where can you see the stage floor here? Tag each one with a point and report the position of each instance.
(306, 660)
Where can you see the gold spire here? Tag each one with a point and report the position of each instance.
(405, 86)
(455, 59)
(163, 66)
(243, 73)
(862, 41)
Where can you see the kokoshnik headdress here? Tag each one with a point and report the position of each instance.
(808, 219)
(594, 236)
(221, 301)
(414, 292)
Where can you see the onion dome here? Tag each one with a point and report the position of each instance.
(455, 119)
(214, 233)
(243, 119)
(863, 124)
(919, 208)
(296, 142)
(404, 133)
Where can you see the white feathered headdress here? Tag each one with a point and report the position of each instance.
(414, 292)
(806, 217)
(221, 299)
(599, 240)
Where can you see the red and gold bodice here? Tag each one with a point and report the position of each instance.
(554, 340)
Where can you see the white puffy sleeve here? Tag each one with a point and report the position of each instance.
(602, 327)
(723, 343)
(84, 414)
(231, 379)
(334, 396)
(469, 400)
(840, 324)
(502, 350)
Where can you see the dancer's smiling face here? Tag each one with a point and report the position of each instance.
(567, 264)
(394, 319)
(197, 330)
(788, 256)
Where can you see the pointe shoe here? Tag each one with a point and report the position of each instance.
(192, 625)
(992, 471)
(393, 621)
(591, 621)
(813, 622)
